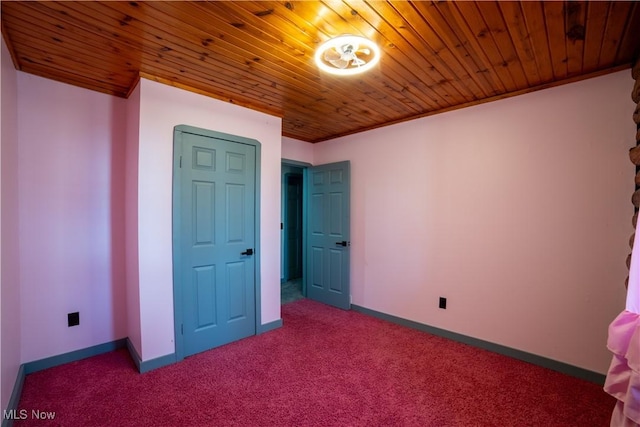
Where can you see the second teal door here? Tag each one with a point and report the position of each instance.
(328, 234)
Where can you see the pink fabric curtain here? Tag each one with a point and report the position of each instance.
(623, 378)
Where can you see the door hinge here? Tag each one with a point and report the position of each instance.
(180, 161)
(181, 329)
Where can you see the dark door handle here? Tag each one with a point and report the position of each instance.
(343, 243)
(247, 252)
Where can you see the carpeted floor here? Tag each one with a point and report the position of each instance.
(324, 367)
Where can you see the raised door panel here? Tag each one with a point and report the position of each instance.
(236, 291)
(204, 283)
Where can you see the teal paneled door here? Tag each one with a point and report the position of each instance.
(328, 234)
(214, 234)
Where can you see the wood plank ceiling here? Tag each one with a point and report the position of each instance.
(436, 56)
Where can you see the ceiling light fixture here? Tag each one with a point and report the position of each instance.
(347, 54)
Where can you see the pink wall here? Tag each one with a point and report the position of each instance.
(9, 223)
(71, 181)
(517, 211)
(519, 215)
(131, 220)
(301, 151)
(161, 108)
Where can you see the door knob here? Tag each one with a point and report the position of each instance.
(343, 243)
(247, 252)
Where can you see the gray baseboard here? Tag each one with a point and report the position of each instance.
(50, 362)
(269, 326)
(149, 365)
(158, 362)
(61, 359)
(14, 400)
(544, 362)
(72, 356)
(134, 354)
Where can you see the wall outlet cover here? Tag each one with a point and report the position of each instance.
(73, 319)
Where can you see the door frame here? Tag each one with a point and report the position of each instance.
(304, 166)
(176, 222)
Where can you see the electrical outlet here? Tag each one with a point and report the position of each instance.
(443, 303)
(73, 319)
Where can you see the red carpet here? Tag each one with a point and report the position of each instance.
(324, 367)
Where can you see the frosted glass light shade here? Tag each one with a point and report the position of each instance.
(347, 55)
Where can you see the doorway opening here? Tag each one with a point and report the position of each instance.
(292, 233)
(315, 233)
